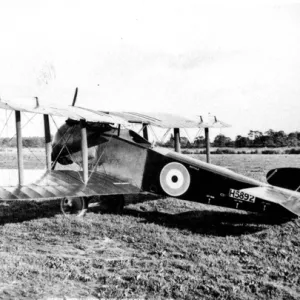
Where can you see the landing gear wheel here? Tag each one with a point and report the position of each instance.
(73, 206)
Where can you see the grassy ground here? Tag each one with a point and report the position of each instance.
(165, 248)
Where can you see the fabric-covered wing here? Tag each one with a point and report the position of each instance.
(165, 120)
(162, 120)
(32, 105)
(67, 183)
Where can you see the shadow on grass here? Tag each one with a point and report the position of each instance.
(203, 221)
(15, 211)
(19, 211)
(210, 222)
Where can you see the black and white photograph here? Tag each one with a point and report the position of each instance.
(149, 149)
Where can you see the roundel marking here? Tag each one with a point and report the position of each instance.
(174, 179)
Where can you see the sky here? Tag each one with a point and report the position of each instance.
(238, 60)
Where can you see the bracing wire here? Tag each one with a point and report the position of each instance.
(22, 127)
(7, 119)
(6, 126)
(154, 134)
(99, 158)
(70, 131)
(29, 148)
(143, 126)
(198, 133)
(188, 136)
(165, 135)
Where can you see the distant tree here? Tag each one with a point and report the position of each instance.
(222, 141)
(273, 138)
(33, 142)
(199, 142)
(184, 142)
(255, 138)
(292, 140)
(269, 138)
(28, 142)
(8, 142)
(242, 141)
(253, 134)
(170, 142)
(270, 133)
(269, 142)
(280, 139)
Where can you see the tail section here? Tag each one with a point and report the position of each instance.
(274, 199)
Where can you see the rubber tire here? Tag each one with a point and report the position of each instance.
(78, 206)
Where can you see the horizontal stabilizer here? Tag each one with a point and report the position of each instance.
(287, 199)
(288, 178)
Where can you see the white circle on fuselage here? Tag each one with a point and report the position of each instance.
(174, 179)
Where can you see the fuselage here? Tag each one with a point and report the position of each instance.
(126, 155)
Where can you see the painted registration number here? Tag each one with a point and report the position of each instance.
(241, 196)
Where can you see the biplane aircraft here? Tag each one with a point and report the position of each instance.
(118, 161)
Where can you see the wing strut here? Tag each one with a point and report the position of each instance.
(47, 142)
(75, 97)
(84, 151)
(177, 140)
(19, 148)
(207, 144)
(145, 131)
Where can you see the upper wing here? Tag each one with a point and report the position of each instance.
(67, 183)
(69, 112)
(165, 120)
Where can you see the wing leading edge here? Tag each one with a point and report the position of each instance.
(32, 105)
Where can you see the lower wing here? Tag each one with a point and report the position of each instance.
(67, 183)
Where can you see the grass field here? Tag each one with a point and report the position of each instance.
(161, 249)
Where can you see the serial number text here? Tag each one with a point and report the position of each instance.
(241, 196)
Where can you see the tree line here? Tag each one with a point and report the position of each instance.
(254, 139)
(28, 142)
